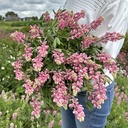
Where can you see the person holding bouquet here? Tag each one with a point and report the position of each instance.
(71, 59)
(115, 14)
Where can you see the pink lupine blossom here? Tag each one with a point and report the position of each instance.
(122, 59)
(41, 79)
(76, 88)
(97, 23)
(62, 15)
(32, 118)
(60, 95)
(18, 36)
(70, 75)
(0, 113)
(12, 125)
(67, 20)
(126, 115)
(77, 85)
(108, 62)
(54, 113)
(78, 109)
(37, 63)
(114, 36)
(19, 74)
(22, 97)
(36, 104)
(46, 17)
(50, 125)
(58, 77)
(73, 20)
(14, 116)
(60, 122)
(120, 96)
(79, 32)
(28, 53)
(78, 15)
(42, 50)
(119, 100)
(77, 59)
(17, 69)
(88, 40)
(37, 66)
(47, 111)
(98, 95)
(18, 64)
(62, 23)
(71, 23)
(35, 32)
(4, 96)
(104, 57)
(58, 57)
(28, 87)
(43, 76)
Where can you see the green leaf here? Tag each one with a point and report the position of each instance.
(89, 105)
(56, 42)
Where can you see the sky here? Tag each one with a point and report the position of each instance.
(28, 8)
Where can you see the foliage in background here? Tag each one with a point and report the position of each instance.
(119, 114)
(1, 17)
(9, 51)
(26, 23)
(122, 58)
(16, 113)
(11, 13)
(23, 26)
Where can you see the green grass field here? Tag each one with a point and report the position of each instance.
(10, 26)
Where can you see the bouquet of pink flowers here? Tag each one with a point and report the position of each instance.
(64, 57)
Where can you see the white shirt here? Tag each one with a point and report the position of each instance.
(115, 13)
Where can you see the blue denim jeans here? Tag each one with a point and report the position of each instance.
(93, 119)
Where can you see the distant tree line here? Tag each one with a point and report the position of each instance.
(10, 15)
(1, 18)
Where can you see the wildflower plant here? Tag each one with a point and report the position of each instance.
(62, 58)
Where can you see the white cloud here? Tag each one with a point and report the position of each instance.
(35, 1)
(29, 7)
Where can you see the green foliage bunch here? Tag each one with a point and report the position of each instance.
(26, 23)
(9, 51)
(122, 58)
(16, 112)
(118, 116)
(64, 57)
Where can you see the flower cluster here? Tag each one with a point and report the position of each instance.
(63, 58)
(18, 36)
(36, 104)
(18, 72)
(122, 59)
(78, 109)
